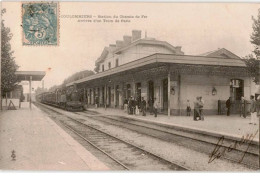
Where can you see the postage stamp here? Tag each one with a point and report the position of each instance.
(40, 23)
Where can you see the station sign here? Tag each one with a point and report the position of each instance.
(174, 83)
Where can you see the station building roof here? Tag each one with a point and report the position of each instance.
(158, 58)
(221, 52)
(25, 75)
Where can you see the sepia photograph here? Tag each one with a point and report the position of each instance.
(130, 86)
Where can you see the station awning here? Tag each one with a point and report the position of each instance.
(193, 63)
(25, 75)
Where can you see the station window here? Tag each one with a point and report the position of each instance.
(116, 62)
(103, 68)
(109, 65)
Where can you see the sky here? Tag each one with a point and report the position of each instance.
(197, 27)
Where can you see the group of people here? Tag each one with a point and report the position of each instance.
(134, 106)
(254, 106)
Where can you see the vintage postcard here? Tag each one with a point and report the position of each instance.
(130, 86)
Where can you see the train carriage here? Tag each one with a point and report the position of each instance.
(63, 97)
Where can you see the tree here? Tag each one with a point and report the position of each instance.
(253, 67)
(53, 88)
(255, 36)
(77, 76)
(74, 77)
(40, 90)
(8, 65)
(253, 61)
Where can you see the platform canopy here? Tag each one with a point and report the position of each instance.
(182, 63)
(25, 75)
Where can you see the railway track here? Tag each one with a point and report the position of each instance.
(203, 143)
(125, 154)
(110, 161)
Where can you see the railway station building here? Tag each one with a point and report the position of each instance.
(150, 68)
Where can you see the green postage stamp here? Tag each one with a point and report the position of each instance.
(40, 23)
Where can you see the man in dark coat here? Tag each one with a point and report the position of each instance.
(228, 106)
(130, 105)
(143, 106)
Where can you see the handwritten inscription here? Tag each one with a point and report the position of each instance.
(220, 150)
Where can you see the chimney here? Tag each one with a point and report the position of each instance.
(127, 40)
(119, 43)
(112, 45)
(136, 34)
(178, 48)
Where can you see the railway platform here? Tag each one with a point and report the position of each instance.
(220, 125)
(32, 141)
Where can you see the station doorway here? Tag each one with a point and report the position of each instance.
(150, 91)
(86, 96)
(117, 96)
(236, 89)
(236, 92)
(103, 96)
(128, 91)
(109, 96)
(90, 96)
(138, 92)
(165, 95)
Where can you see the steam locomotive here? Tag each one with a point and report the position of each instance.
(66, 98)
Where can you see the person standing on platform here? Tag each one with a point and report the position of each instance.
(242, 107)
(143, 106)
(150, 103)
(125, 105)
(201, 104)
(188, 108)
(134, 105)
(155, 106)
(96, 102)
(196, 114)
(130, 105)
(253, 110)
(258, 105)
(228, 106)
(137, 106)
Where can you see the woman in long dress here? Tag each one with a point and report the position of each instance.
(196, 109)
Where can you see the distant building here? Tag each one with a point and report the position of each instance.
(16, 93)
(132, 48)
(149, 68)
